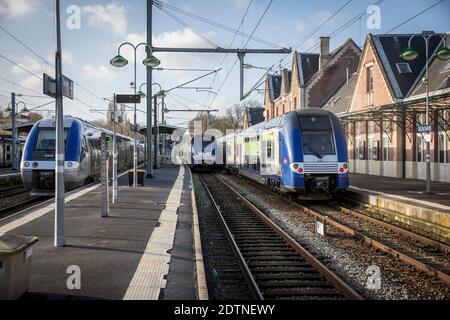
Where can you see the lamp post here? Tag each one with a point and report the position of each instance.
(410, 54)
(12, 106)
(159, 94)
(118, 62)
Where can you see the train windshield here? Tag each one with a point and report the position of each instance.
(46, 139)
(317, 135)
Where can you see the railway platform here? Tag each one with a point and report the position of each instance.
(404, 200)
(144, 249)
(9, 177)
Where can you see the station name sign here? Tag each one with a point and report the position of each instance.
(50, 86)
(424, 128)
(128, 98)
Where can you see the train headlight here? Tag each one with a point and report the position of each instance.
(35, 164)
(26, 164)
(69, 164)
(297, 167)
(343, 167)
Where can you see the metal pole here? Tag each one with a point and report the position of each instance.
(162, 122)
(114, 151)
(428, 156)
(13, 132)
(241, 63)
(155, 135)
(60, 152)
(104, 175)
(134, 126)
(149, 92)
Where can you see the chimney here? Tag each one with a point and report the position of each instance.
(324, 51)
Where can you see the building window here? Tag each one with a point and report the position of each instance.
(420, 153)
(385, 148)
(442, 147)
(369, 79)
(295, 103)
(369, 89)
(403, 67)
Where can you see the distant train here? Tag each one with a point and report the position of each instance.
(82, 156)
(302, 153)
(6, 150)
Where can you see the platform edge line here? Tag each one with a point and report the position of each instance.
(202, 288)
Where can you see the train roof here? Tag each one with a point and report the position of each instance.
(69, 120)
(275, 122)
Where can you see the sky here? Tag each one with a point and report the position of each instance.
(105, 24)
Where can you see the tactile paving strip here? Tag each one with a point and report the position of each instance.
(148, 280)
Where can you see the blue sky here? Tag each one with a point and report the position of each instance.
(107, 23)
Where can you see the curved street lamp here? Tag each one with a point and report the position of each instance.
(410, 54)
(119, 61)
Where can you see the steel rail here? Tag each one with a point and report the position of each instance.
(370, 241)
(333, 278)
(256, 292)
(424, 240)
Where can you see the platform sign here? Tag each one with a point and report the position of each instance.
(424, 128)
(50, 86)
(128, 98)
(104, 174)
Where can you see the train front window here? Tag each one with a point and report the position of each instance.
(46, 139)
(317, 136)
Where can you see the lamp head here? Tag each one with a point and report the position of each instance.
(118, 61)
(409, 54)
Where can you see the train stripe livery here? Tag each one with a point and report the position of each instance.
(82, 156)
(302, 153)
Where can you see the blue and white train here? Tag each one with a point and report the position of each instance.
(302, 153)
(82, 155)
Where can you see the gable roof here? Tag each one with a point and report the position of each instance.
(439, 79)
(340, 101)
(307, 66)
(254, 115)
(274, 86)
(388, 48)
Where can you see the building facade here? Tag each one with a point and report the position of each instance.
(380, 100)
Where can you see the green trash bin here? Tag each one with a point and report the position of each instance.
(15, 265)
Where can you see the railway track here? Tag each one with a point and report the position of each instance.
(12, 191)
(424, 254)
(274, 265)
(20, 205)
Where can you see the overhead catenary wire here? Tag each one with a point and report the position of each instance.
(231, 43)
(415, 16)
(160, 4)
(189, 27)
(248, 40)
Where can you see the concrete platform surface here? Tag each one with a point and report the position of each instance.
(404, 200)
(143, 250)
(404, 188)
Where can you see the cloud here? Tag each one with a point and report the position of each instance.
(99, 72)
(111, 17)
(299, 26)
(25, 78)
(240, 3)
(16, 8)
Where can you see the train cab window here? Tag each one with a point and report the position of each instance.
(46, 139)
(317, 136)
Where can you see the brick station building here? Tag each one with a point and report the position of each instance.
(380, 100)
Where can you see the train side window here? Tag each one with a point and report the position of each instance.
(269, 149)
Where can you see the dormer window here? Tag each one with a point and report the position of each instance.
(403, 67)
